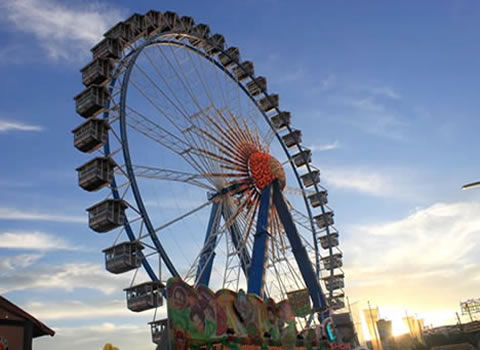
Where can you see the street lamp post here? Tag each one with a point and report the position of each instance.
(471, 185)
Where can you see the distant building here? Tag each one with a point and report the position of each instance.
(18, 328)
(385, 332)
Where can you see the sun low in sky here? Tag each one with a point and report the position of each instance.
(386, 95)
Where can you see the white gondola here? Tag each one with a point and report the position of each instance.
(123, 257)
(324, 220)
(201, 32)
(153, 22)
(107, 215)
(216, 43)
(330, 240)
(120, 31)
(231, 56)
(292, 138)
(145, 296)
(338, 302)
(136, 24)
(159, 331)
(97, 72)
(303, 157)
(91, 135)
(91, 101)
(107, 48)
(268, 103)
(281, 120)
(243, 70)
(311, 178)
(334, 261)
(334, 282)
(318, 198)
(186, 24)
(257, 86)
(172, 21)
(96, 173)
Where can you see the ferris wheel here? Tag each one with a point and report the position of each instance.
(208, 181)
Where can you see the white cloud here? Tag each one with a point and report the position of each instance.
(326, 147)
(67, 277)
(22, 261)
(15, 214)
(6, 126)
(33, 241)
(369, 181)
(407, 262)
(77, 309)
(64, 32)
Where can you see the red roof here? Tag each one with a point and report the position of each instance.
(39, 328)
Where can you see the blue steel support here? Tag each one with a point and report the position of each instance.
(257, 270)
(298, 249)
(205, 264)
(237, 239)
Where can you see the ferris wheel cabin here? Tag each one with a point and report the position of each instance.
(335, 282)
(107, 215)
(257, 86)
(107, 48)
(215, 44)
(281, 120)
(97, 72)
(159, 331)
(323, 220)
(268, 103)
(302, 158)
(243, 70)
(120, 32)
(92, 101)
(145, 296)
(338, 301)
(318, 198)
(123, 257)
(136, 25)
(201, 31)
(96, 173)
(231, 56)
(311, 178)
(293, 138)
(330, 240)
(333, 261)
(91, 135)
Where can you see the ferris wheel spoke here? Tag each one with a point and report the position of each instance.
(179, 105)
(171, 175)
(165, 138)
(186, 146)
(179, 218)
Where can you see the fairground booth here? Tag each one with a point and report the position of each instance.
(18, 328)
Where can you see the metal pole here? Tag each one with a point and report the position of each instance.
(374, 324)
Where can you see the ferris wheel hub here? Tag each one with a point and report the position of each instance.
(265, 169)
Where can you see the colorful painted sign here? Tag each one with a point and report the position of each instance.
(300, 302)
(228, 320)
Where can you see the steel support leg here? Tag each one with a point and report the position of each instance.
(257, 270)
(205, 264)
(298, 249)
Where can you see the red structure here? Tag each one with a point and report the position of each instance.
(18, 328)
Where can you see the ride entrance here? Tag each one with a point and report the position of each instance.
(216, 205)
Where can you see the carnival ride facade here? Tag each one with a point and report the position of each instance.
(208, 179)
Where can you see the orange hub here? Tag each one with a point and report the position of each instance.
(264, 169)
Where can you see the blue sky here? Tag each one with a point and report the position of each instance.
(385, 94)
